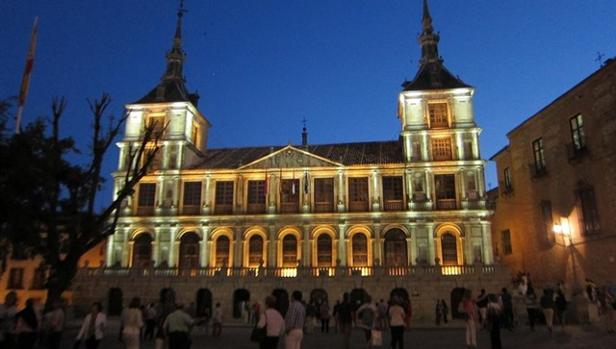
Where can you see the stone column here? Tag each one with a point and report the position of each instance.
(203, 246)
(237, 247)
(431, 244)
(459, 146)
(340, 204)
(207, 205)
(409, 188)
(412, 249)
(487, 243)
(271, 254)
(428, 187)
(306, 246)
(469, 254)
(342, 253)
(425, 153)
(109, 261)
(375, 197)
(377, 244)
(173, 244)
(480, 183)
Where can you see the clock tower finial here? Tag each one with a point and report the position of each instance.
(175, 56)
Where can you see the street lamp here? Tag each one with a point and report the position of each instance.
(563, 229)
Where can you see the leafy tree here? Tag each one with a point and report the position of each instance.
(49, 197)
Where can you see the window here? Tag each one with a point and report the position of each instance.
(16, 279)
(157, 123)
(224, 197)
(358, 194)
(289, 195)
(142, 251)
(39, 279)
(590, 216)
(507, 179)
(223, 246)
(576, 124)
(445, 192)
(195, 135)
(147, 192)
(359, 244)
(324, 251)
(255, 250)
(289, 251)
(189, 251)
(192, 197)
(441, 149)
(538, 156)
(392, 193)
(256, 196)
(547, 220)
(395, 248)
(449, 249)
(323, 194)
(506, 241)
(438, 115)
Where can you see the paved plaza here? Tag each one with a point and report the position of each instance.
(424, 337)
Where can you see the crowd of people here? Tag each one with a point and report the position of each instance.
(169, 325)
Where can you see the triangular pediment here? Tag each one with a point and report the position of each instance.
(291, 157)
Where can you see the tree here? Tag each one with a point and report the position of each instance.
(49, 198)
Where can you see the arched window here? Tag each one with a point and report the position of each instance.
(324, 251)
(189, 251)
(359, 244)
(142, 251)
(289, 251)
(255, 251)
(223, 248)
(449, 249)
(395, 248)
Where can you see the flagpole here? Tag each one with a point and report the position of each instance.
(25, 80)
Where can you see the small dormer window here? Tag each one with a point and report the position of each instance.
(195, 134)
(438, 115)
(157, 122)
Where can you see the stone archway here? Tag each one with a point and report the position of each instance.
(115, 298)
(318, 296)
(282, 300)
(203, 302)
(358, 297)
(395, 248)
(456, 298)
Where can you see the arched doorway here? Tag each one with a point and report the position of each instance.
(204, 302)
(114, 301)
(282, 300)
(289, 251)
(189, 251)
(449, 249)
(255, 251)
(402, 295)
(324, 251)
(318, 296)
(359, 245)
(223, 251)
(142, 251)
(456, 298)
(395, 248)
(241, 297)
(358, 297)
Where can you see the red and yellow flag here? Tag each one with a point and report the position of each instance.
(25, 79)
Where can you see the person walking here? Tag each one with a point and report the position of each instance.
(366, 319)
(325, 316)
(482, 305)
(311, 313)
(177, 325)
(54, 321)
(217, 321)
(547, 304)
(8, 310)
(345, 320)
(531, 307)
(335, 315)
(93, 327)
(560, 304)
(294, 322)
(507, 302)
(273, 323)
(27, 326)
(471, 317)
(397, 321)
(445, 310)
(382, 308)
(493, 321)
(131, 324)
(438, 312)
(149, 317)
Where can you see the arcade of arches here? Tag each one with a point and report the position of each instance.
(320, 246)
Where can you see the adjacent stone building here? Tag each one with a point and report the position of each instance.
(234, 224)
(555, 209)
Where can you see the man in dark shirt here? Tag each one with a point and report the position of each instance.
(507, 309)
(345, 319)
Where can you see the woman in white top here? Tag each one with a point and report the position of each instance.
(93, 327)
(397, 321)
(273, 323)
(132, 321)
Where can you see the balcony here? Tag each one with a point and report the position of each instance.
(192, 210)
(255, 208)
(576, 153)
(322, 207)
(446, 204)
(393, 205)
(222, 209)
(358, 206)
(145, 211)
(289, 207)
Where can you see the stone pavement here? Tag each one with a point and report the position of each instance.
(425, 336)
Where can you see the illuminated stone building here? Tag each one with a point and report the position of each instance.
(556, 209)
(407, 214)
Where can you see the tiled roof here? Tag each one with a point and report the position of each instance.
(433, 76)
(169, 90)
(364, 153)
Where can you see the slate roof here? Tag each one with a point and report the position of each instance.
(169, 90)
(363, 153)
(433, 76)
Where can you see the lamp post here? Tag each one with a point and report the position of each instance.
(564, 228)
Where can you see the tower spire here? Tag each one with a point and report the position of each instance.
(175, 56)
(304, 133)
(428, 39)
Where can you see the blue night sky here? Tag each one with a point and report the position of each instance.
(261, 66)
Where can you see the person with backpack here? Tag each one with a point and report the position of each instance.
(366, 319)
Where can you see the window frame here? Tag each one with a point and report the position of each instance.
(539, 155)
(16, 279)
(576, 128)
(506, 242)
(436, 120)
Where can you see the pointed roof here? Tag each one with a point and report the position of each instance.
(432, 73)
(172, 85)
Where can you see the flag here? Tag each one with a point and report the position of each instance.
(25, 79)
